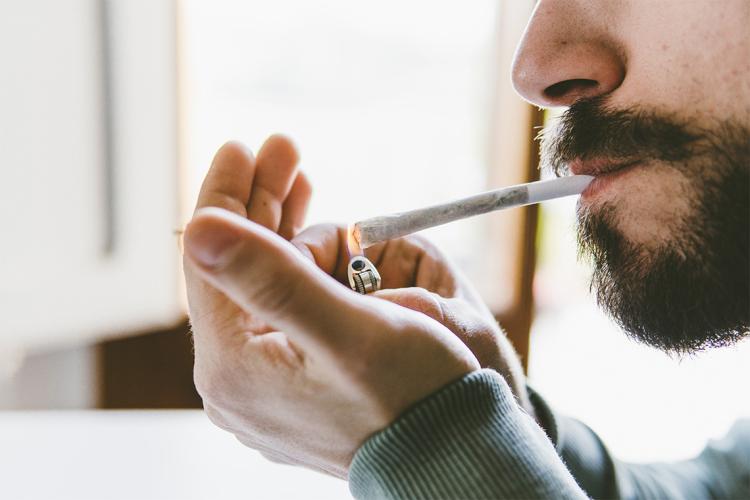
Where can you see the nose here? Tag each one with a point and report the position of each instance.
(563, 58)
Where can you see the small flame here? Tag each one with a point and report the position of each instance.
(352, 240)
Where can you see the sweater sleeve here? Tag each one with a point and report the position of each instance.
(721, 470)
(468, 440)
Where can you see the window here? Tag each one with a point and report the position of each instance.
(393, 106)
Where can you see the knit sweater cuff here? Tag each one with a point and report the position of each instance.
(581, 450)
(468, 440)
(545, 417)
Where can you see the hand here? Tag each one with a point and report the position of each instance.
(289, 360)
(416, 275)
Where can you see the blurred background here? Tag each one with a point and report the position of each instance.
(111, 112)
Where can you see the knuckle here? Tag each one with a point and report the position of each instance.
(428, 303)
(223, 200)
(443, 307)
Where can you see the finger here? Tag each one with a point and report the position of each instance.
(266, 276)
(414, 262)
(325, 245)
(402, 263)
(294, 209)
(275, 173)
(227, 185)
(403, 258)
(416, 299)
(485, 339)
(455, 314)
(229, 179)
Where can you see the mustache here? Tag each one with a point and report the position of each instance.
(590, 129)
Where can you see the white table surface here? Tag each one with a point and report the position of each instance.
(141, 455)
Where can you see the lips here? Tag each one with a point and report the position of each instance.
(606, 173)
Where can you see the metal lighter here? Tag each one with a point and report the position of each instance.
(363, 277)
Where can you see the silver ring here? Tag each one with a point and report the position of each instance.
(363, 277)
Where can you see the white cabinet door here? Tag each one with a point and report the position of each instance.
(88, 169)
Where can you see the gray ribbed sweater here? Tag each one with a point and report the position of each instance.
(470, 440)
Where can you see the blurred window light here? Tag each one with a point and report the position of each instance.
(392, 99)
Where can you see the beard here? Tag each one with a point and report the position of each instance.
(691, 291)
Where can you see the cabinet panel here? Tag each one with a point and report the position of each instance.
(89, 183)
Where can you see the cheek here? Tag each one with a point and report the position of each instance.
(653, 207)
(687, 57)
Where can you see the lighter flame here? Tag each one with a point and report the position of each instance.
(353, 239)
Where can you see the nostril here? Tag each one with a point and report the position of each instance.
(575, 86)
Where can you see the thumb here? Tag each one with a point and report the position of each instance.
(268, 277)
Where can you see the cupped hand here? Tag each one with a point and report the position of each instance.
(417, 275)
(287, 358)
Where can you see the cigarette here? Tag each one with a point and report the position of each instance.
(368, 232)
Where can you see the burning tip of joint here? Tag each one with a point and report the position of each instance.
(353, 240)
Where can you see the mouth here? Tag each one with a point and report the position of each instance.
(606, 172)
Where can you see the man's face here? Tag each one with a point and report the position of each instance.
(658, 97)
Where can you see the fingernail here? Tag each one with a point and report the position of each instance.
(207, 242)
